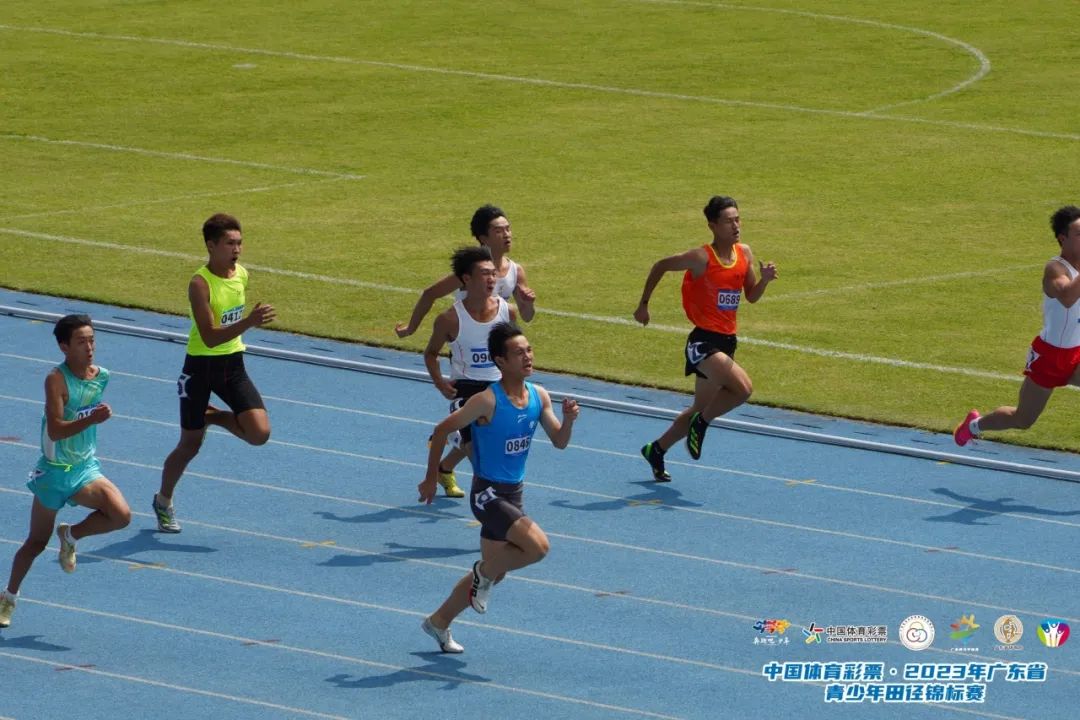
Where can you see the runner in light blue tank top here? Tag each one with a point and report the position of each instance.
(503, 418)
(68, 472)
(500, 448)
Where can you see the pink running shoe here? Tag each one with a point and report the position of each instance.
(962, 434)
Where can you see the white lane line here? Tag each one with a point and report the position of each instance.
(976, 53)
(170, 686)
(610, 320)
(162, 201)
(177, 155)
(432, 674)
(583, 448)
(350, 602)
(541, 82)
(461, 569)
(456, 569)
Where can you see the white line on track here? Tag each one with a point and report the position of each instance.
(179, 155)
(162, 201)
(539, 82)
(607, 319)
(460, 570)
(434, 675)
(169, 686)
(583, 448)
(617, 545)
(976, 53)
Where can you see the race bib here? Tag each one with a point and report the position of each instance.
(478, 358)
(232, 315)
(85, 411)
(728, 299)
(518, 445)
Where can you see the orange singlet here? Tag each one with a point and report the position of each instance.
(710, 301)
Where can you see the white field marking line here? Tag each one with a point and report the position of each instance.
(610, 320)
(979, 55)
(178, 155)
(386, 666)
(869, 287)
(201, 258)
(421, 614)
(582, 448)
(540, 82)
(161, 201)
(737, 616)
(344, 658)
(171, 686)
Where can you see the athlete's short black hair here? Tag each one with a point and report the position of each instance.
(463, 260)
(217, 225)
(1063, 218)
(482, 218)
(500, 334)
(68, 324)
(718, 204)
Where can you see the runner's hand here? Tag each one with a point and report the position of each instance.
(262, 314)
(642, 314)
(570, 409)
(402, 330)
(446, 387)
(768, 271)
(427, 489)
(100, 414)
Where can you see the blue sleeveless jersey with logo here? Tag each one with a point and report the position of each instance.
(83, 397)
(499, 449)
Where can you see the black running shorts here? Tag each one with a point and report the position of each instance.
(700, 344)
(223, 375)
(496, 505)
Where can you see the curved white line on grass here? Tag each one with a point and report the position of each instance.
(170, 686)
(540, 82)
(161, 201)
(608, 319)
(180, 155)
(582, 448)
(352, 659)
(979, 55)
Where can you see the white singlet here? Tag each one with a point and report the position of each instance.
(469, 350)
(1061, 325)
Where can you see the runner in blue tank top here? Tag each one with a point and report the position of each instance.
(68, 473)
(503, 419)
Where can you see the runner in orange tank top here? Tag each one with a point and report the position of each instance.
(716, 276)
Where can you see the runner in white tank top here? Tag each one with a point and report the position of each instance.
(465, 327)
(1054, 357)
(492, 230)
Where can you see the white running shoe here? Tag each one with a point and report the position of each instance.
(67, 548)
(480, 590)
(446, 641)
(7, 607)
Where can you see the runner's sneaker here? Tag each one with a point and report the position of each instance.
(67, 548)
(449, 482)
(651, 452)
(696, 435)
(446, 641)
(480, 590)
(962, 434)
(7, 607)
(166, 518)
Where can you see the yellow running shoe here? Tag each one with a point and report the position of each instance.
(7, 607)
(449, 483)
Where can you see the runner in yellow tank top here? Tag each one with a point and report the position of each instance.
(214, 363)
(715, 276)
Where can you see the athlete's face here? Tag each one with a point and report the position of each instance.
(728, 227)
(481, 281)
(1070, 241)
(226, 251)
(519, 357)
(79, 349)
(498, 235)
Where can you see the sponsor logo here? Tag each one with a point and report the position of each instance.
(917, 632)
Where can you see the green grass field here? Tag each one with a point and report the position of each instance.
(898, 161)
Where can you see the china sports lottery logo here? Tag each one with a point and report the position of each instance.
(1053, 632)
(917, 632)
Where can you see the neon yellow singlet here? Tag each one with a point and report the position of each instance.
(227, 298)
